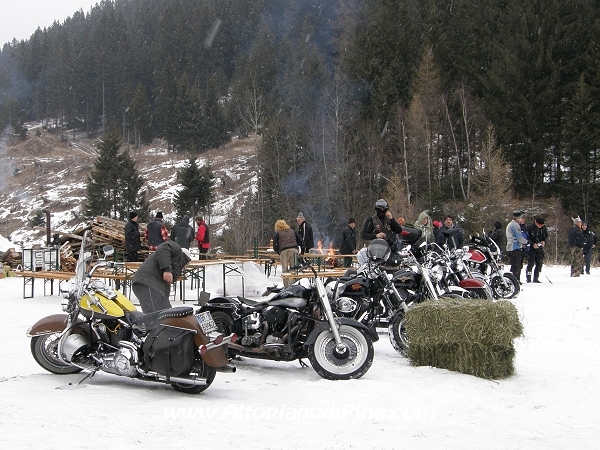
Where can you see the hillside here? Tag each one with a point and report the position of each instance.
(45, 172)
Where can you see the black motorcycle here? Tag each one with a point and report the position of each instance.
(297, 322)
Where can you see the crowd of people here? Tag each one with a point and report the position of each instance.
(520, 242)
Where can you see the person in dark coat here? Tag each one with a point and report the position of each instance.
(590, 239)
(498, 235)
(132, 237)
(156, 232)
(537, 235)
(305, 232)
(382, 225)
(576, 243)
(152, 281)
(183, 233)
(450, 234)
(348, 246)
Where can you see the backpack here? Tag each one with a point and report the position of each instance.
(169, 351)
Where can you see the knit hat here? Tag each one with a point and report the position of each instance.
(497, 225)
(132, 215)
(159, 215)
(351, 220)
(300, 216)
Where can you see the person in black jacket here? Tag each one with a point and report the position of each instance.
(575, 237)
(450, 234)
(498, 235)
(348, 246)
(152, 281)
(183, 233)
(305, 232)
(590, 240)
(132, 237)
(538, 234)
(382, 225)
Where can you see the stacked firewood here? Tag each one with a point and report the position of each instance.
(11, 257)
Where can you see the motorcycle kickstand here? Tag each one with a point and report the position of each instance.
(78, 384)
(302, 363)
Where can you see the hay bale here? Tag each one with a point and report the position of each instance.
(467, 336)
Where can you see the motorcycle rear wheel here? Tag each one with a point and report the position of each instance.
(397, 334)
(199, 369)
(324, 361)
(511, 290)
(44, 351)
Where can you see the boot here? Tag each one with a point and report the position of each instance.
(536, 277)
(528, 276)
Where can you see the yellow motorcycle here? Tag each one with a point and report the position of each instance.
(101, 330)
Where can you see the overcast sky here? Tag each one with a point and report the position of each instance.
(20, 18)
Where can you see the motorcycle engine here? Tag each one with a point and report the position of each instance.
(346, 305)
(123, 362)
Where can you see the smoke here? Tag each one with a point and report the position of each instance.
(6, 166)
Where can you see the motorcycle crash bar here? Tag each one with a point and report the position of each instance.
(214, 344)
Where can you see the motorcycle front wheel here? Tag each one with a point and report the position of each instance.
(199, 370)
(45, 353)
(397, 334)
(353, 364)
(505, 287)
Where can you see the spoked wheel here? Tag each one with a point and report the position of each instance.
(506, 286)
(353, 361)
(397, 334)
(199, 370)
(44, 351)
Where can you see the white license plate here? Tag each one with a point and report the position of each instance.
(206, 322)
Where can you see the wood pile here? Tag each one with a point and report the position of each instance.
(11, 257)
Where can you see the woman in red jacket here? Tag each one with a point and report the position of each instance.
(203, 238)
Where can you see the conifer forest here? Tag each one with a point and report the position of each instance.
(464, 106)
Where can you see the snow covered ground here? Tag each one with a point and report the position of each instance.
(551, 402)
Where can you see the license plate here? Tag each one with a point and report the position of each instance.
(206, 322)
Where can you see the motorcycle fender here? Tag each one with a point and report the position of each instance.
(56, 323)
(312, 337)
(214, 357)
(471, 283)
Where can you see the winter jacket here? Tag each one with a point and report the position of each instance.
(451, 236)
(203, 235)
(183, 233)
(379, 223)
(348, 245)
(575, 236)
(305, 232)
(132, 236)
(168, 257)
(156, 233)
(514, 236)
(285, 239)
(426, 230)
(536, 235)
(499, 237)
(590, 239)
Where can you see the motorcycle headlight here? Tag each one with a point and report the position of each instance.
(460, 266)
(437, 273)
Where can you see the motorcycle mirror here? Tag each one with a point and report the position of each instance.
(108, 250)
(87, 256)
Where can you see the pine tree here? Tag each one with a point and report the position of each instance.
(196, 193)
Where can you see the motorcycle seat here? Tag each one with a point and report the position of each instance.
(139, 318)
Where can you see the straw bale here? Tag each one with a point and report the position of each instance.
(467, 336)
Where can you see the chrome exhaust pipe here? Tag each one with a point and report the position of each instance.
(195, 381)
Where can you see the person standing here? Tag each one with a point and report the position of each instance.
(286, 243)
(515, 242)
(498, 235)
(183, 233)
(152, 282)
(538, 233)
(425, 224)
(348, 246)
(305, 232)
(156, 232)
(450, 235)
(202, 237)
(382, 225)
(590, 239)
(132, 237)
(576, 244)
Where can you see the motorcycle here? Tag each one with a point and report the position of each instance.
(295, 323)
(101, 330)
(484, 257)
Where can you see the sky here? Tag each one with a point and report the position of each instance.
(20, 18)
(549, 403)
